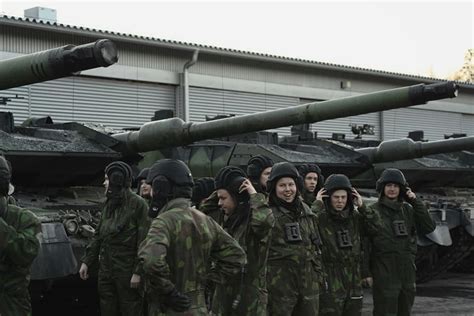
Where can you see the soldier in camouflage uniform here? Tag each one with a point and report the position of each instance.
(393, 250)
(143, 188)
(205, 198)
(313, 181)
(123, 226)
(258, 171)
(294, 260)
(180, 245)
(341, 226)
(19, 245)
(249, 221)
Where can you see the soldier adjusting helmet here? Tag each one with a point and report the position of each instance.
(284, 169)
(230, 178)
(391, 175)
(203, 187)
(339, 182)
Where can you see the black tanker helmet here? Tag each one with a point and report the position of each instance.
(255, 167)
(230, 178)
(170, 179)
(203, 187)
(284, 169)
(339, 182)
(392, 175)
(311, 167)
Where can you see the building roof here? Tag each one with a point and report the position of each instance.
(59, 27)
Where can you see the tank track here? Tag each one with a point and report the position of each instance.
(433, 260)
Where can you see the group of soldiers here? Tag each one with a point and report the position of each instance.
(274, 239)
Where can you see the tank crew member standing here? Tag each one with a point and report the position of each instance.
(144, 189)
(249, 221)
(313, 181)
(342, 226)
(122, 227)
(393, 250)
(258, 171)
(294, 263)
(19, 245)
(180, 245)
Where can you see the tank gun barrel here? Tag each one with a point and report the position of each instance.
(176, 132)
(56, 63)
(401, 149)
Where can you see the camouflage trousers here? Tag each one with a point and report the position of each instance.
(15, 305)
(292, 289)
(394, 289)
(117, 298)
(198, 307)
(332, 305)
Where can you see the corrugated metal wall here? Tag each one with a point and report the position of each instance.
(435, 124)
(114, 103)
(212, 102)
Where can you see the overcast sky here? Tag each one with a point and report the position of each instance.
(413, 37)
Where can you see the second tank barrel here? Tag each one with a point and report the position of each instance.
(175, 132)
(56, 63)
(401, 149)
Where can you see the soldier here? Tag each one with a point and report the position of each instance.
(19, 245)
(122, 227)
(205, 198)
(341, 226)
(294, 266)
(258, 170)
(393, 250)
(144, 189)
(249, 221)
(313, 181)
(180, 245)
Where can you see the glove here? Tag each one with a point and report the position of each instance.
(177, 301)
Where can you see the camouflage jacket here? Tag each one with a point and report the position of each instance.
(341, 236)
(19, 245)
(254, 237)
(118, 236)
(211, 208)
(397, 239)
(177, 251)
(295, 250)
(308, 197)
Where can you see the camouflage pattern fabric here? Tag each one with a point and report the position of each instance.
(341, 234)
(308, 197)
(294, 266)
(19, 245)
(254, 237)
(393, 251)
(114, 246)
(176, 254)
(211, 208)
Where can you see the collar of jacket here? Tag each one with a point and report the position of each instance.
(394, 205)
(339, 215)
(181, 202)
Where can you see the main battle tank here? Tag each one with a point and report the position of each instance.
(58, 168)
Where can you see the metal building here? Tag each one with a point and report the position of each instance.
(154, 74)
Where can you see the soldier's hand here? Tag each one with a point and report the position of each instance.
(84, 271)
(321, 194)
(247, 186)
(410, 194)
(135, 281)
(367, 282)
(357, 198)
(177, 301)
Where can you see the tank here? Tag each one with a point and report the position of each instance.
(58, 170)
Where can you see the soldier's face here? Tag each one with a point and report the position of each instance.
(339, 200)
(310, 181)
(286, 189)
(226, 202)
(264, 176)
(145, 189)
(392, 191)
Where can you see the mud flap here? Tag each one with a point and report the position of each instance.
(55, 258)
(439, 236)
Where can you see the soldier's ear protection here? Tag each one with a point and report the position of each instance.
(161, 190)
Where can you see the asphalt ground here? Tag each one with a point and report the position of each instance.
(450, 294)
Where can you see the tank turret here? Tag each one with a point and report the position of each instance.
(175, 132)
(56, 63)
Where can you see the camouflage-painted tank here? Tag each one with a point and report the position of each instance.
(58, 168)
